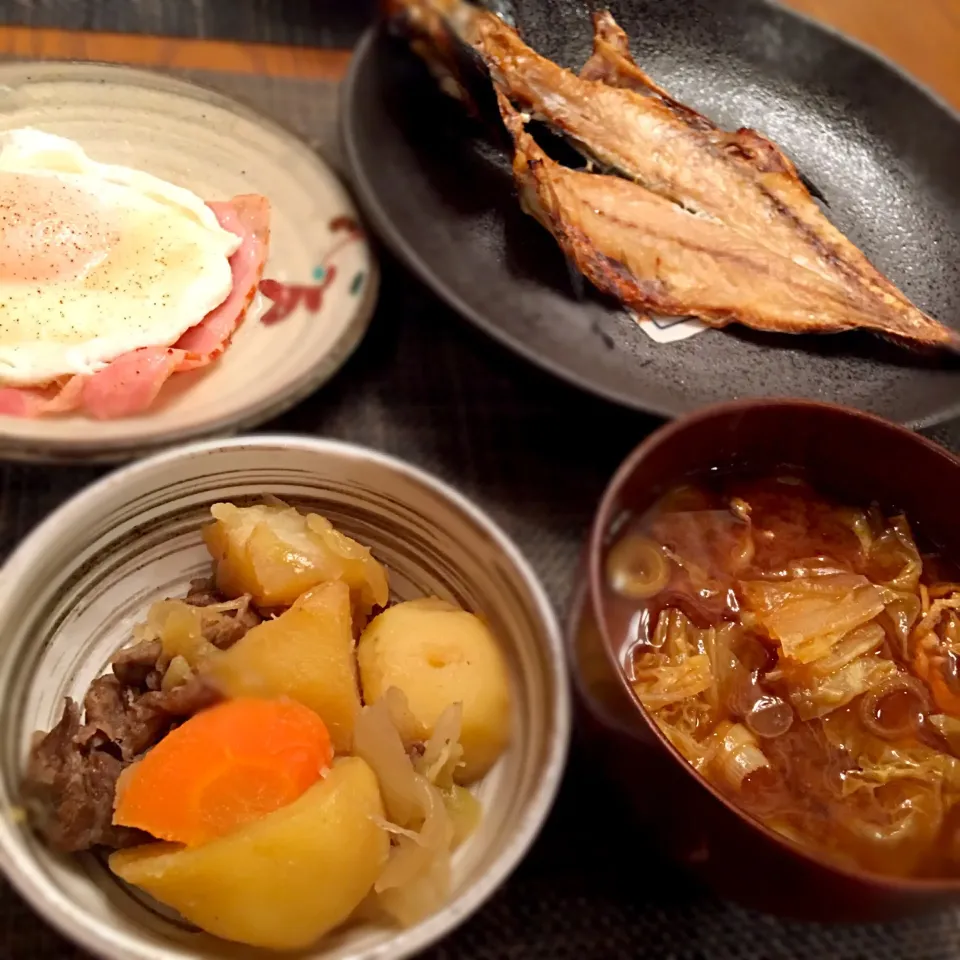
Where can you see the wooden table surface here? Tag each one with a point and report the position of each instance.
(923, 36)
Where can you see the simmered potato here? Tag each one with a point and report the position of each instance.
(438, 654)
(283, 881)
(277, 553)
(307, 654)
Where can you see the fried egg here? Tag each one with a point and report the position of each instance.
(97, 260)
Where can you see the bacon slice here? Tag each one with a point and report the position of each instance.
(131, 383)
(37, 401)
(247, 216)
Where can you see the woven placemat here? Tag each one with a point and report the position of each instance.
(536, 454)
(314, 23)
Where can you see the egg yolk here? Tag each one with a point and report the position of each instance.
(50, 230)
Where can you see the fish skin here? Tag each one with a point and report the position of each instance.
(654, 256)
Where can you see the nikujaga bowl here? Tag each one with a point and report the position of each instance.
(71, 592)
(854, 456)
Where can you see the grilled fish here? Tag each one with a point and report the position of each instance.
(777, 186)
(620, 118)
(654, 256)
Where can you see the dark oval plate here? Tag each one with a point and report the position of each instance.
(880, 149)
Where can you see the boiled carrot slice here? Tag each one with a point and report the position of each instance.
(223, 768)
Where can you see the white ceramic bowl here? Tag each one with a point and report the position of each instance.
(73, 589)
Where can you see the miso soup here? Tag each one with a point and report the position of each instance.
(804, 656)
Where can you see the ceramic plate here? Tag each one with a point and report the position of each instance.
(882, 152)
(322, 270)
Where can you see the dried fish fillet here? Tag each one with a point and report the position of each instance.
(777, 184)
(744, 192)
(654, 256)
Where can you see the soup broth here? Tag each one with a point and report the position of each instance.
(804, 656)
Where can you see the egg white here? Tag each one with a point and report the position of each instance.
(155, 260)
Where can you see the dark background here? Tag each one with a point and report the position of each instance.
(316, 23)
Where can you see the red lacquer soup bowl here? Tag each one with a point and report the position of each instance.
(852, 456)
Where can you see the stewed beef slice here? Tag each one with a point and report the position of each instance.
(72, 773)
(134, 666)
(69, 789)
(222, 632)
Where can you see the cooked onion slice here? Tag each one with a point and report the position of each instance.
(637, 568)
(934, 614)
(896, 557)
(659, 682)
(866, 639)
(825, 694)
(859, 523)
(770, 716)
(947, 726)
(884, 722)
(903, 609)
(809, 616)
(428, 815)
